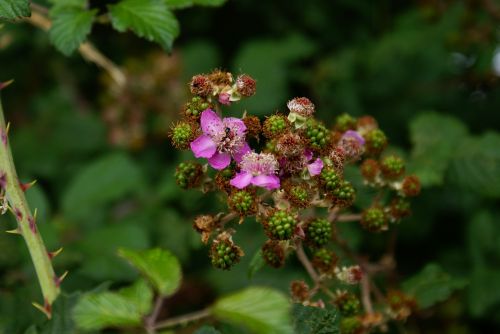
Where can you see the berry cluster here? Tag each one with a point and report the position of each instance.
(289, 171)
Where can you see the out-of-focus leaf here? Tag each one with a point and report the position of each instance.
(99, 249)
(141, 294)
(476, 165)
(179, 4)
(483, 292)
(14, 9)
(207, 330)
(150, 19)
(100, 182)
(62, 321)
(435, 139)
(157, 265)
(432, 285)
(262, 310)
(70, 27)
(99, 310)
(315, 320)
(256, 264)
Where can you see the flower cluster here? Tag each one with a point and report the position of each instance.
(290, 171)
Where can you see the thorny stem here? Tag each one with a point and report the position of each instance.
(88, 51)
(9, 184)
(183, 319)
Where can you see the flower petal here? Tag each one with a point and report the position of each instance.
(269, 182)
(241, 180)
(242, 151)
(219, 160)
(355, 135)
(308, 154)
(235, 123)
(203, 147)
(211, 124)
(315, 167)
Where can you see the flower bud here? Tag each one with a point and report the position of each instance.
(245, 85)
(182, 134)
(376, 141)
(374, 219)
(273, 253)
(280, 225)
(189, 174)
(224, 253)
(392, 167)
(318, 232)
(275, 126)
(410, 186)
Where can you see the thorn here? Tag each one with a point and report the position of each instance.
(46, 309)
(32, 224)
(35, 213)
(55, 253)
(5, 84)
(7, 128)
(14, 231)
(58, 280)
(26, 186)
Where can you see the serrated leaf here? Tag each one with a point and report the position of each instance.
(262, 310)
(99, 183)
(432, 285)
(14, 9)
(159, 266)
(476, 165)
(70, 27)
(435, 139)
(150, 19)
(139, 293)
(315, 320)
(108, 309)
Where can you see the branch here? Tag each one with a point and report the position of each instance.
(149, 322)
(349, 217)
(301, 255)
(11, 188)
(183, 319)
(88, 51)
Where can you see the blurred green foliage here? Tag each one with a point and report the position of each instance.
(424, 69)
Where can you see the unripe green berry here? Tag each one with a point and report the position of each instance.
(298, 195)
(273, 253)
(243, 202)
(182, 134)
(376, 141)
(188, 174)
(392, 167)
(348, 304)
(374, 219)
(324, 260)
(318, 136)
(350, 325)
(344, 195)
(410, 186)
(275, 125)
(330, 178)
(400, 208)
(345, 122)
(370, 169)
(280, 225)
(224, 253)
(318, 232)
(195, 107)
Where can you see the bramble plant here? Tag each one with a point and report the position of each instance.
(287, 173)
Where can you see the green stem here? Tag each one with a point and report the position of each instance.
(9, 183)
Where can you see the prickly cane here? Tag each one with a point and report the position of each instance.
(13, 192)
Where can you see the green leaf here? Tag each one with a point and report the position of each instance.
(99, 183)
(315, 320)
(179, 4)
(432, 285)
(476, 165)
(96, 311)
(207, 330)
(435, 139)
(157, 265)
(14, 9)
(262, 310)
(256, 264)
(70, 27)
(150, 19)
(140, 294)
(483, 292)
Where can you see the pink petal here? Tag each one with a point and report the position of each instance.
(269, 182)
(243, 150)
(308, 154)
(241, 180)
(203, 147)
(211, 124)
(237, 123)
(219, 160)
(224, 98)
(315, 167)
(355, 135)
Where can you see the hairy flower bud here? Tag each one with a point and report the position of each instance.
(275, 126)
(189, 174)
(376, 142)
(318, 232)
(280, 225)
(200, 85)
(324, 260)
(182, 134)
(244, 202)
(410, 186)
(374, 219)
(245, 85)
(273, 253)
(224, 253)
(392, 167)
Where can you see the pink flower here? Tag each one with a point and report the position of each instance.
(258, 169)
(225, 98)
(314, 167)
(221, 140)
